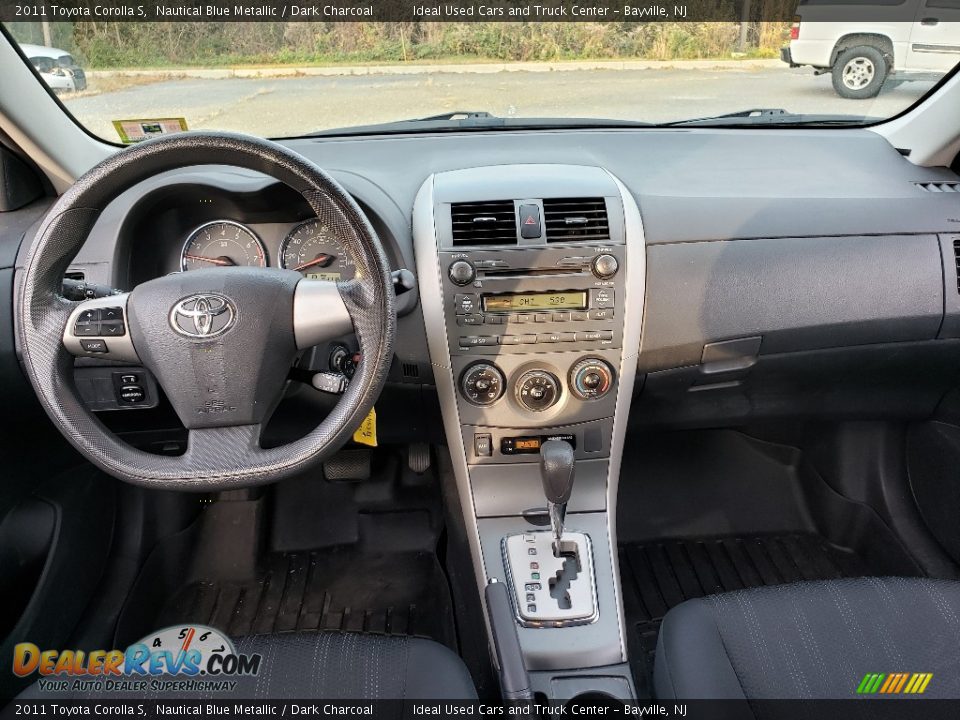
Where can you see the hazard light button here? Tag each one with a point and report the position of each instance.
(530, 221)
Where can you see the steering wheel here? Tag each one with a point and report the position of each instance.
(220, 342)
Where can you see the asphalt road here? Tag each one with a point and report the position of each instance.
(285, 106)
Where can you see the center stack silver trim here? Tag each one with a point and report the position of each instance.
(429, 271)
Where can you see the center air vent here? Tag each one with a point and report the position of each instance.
(484, 223)
(956, 259)
(947, 186)
(575, 219)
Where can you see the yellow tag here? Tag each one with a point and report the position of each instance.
(366, 434)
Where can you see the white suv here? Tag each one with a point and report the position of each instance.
(862, 55)
(57, 68)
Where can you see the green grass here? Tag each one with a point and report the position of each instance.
(223, 45)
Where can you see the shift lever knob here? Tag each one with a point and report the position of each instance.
(556, 473)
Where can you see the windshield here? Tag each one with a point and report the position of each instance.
(282, 78)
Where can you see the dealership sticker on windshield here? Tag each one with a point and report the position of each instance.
(134, 131)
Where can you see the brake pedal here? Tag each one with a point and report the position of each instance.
(348, 466)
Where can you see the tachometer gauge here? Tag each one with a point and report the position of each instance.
(223, 243)
(314, 250)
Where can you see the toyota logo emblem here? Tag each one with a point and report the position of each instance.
(202, 316)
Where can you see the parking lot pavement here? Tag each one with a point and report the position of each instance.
(285, 106)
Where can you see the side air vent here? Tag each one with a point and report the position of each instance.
(484, 223)
(956, 260)
(949, 186)
(574, 219)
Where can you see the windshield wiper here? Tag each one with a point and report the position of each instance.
(456, 115)
(770, 116)
(459, 120)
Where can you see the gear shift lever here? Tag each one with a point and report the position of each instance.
(556, 473)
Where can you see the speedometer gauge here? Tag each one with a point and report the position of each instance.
(313, 249)
(223, 243)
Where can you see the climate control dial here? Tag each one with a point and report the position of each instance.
(537, 390)
(482, 384)
(591, 379)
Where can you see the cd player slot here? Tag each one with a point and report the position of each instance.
(531, 272)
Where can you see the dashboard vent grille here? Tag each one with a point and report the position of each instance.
(956, 259)
(574, 219)
(484, 223)
(949, 186)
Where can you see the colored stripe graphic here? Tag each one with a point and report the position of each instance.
(894, 683)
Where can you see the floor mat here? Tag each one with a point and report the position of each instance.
(334, 589)
(657, 575)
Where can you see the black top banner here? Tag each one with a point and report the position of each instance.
(606, 11)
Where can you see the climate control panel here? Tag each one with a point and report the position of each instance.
(534, 389)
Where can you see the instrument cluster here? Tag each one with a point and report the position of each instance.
(310, 247)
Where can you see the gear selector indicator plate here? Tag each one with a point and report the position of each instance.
(551, 589)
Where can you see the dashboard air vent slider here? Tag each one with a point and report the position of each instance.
(575, 219)
(948, 186)
(484, 223)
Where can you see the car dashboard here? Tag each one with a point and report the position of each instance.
(777, 260)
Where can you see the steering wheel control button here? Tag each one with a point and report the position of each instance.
(605, 266)
(591, 379)
(94, 346)
(114, 328)
(483, 444)
(91, 315)
(461, 272)
(111, 313)
(530, 226)
(537, 390)
(86, 329)
(482, 384)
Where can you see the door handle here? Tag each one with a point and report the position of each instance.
(930, 21)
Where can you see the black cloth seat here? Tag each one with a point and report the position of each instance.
(328, 666)
(813, 640)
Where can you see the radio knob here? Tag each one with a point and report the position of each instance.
(537, 390)
(482, 384)
(461, 272)
(591, 379)
(605, 266)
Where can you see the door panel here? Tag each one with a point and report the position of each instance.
(935, 37)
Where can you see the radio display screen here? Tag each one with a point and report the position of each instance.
(575, 300)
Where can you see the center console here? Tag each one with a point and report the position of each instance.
(532, 284)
